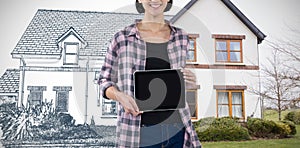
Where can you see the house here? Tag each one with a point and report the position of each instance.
(61, 53)
(225, 57)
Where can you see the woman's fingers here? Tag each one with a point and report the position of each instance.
(128, 103)
(188, 75)
(189, 78)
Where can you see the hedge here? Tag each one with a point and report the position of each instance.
(269, 129)
(293, 116)
(220, 129)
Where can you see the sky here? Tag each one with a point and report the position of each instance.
(272, 17)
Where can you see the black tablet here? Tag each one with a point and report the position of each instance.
(158, 90)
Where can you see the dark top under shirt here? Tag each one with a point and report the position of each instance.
(157, 58)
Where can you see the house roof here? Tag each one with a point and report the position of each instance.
(48, 26)
(9, 81)
(260, 35)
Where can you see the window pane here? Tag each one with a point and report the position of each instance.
(221, 45)
(235, 46)
(191, 100)
(221, 56)
(71, 48)
(72, 59)
(109, 107)
(235, 56)
(237, 111)
(191, 55)
(236, 97)
(222, 97)
(192, 44)
(193, 111)
(223, 110)
(35, 97)
(62, 101)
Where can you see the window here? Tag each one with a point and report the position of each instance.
(191, 98)
(109, 107)
(229, 48)
(192, 51)
(62, 98)
(230, 103)
(36, 94)
(71, 53)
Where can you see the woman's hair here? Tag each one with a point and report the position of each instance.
(139, 7)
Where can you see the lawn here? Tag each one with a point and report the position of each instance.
(293, 142)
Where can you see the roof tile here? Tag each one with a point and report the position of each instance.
(9, 81)
(96, 28)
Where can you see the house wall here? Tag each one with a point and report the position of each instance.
(208, 17)
(77, 80)
(52, 72)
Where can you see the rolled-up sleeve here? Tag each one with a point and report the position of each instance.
(108, 74)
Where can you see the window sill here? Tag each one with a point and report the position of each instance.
(191, 62)
(230, 64)
(108, 117)
(71, 65)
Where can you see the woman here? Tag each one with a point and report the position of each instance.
(151, 43)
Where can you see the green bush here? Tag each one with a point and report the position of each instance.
(268, 129)
(281, 130)
(221, 129)
(291, 126)
(293, 116)
(260, 128)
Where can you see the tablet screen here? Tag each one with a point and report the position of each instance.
(157, 90)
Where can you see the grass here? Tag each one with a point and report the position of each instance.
(293, 142)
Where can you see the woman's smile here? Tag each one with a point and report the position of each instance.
(155, 5)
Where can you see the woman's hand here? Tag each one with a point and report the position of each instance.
(126, 101)
(189, 78)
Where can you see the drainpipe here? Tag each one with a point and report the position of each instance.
(22, 82)
(86, 90)
(259, 87)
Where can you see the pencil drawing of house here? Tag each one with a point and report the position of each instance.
(61, 53)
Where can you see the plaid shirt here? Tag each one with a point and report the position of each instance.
(126, 54)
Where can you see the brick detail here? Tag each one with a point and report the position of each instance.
(230, 87)
(37, 88)
(62, 88)
(227, 36)
(233, 67)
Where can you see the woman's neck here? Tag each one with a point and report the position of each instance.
(151, 18)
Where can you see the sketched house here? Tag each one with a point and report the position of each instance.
(61, 53)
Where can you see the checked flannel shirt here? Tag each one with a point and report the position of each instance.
(126, 54)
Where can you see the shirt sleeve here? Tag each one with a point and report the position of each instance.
(108, 74)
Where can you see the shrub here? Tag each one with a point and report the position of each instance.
(268, 129)
(281, 130)
(41, 122)
(293, 116)
(260, 128)
(211, 129)
(291, 126)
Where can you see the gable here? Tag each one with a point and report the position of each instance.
(71, 33)
(217, 10)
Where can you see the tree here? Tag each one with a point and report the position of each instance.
(279, 90)
(280, 76)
